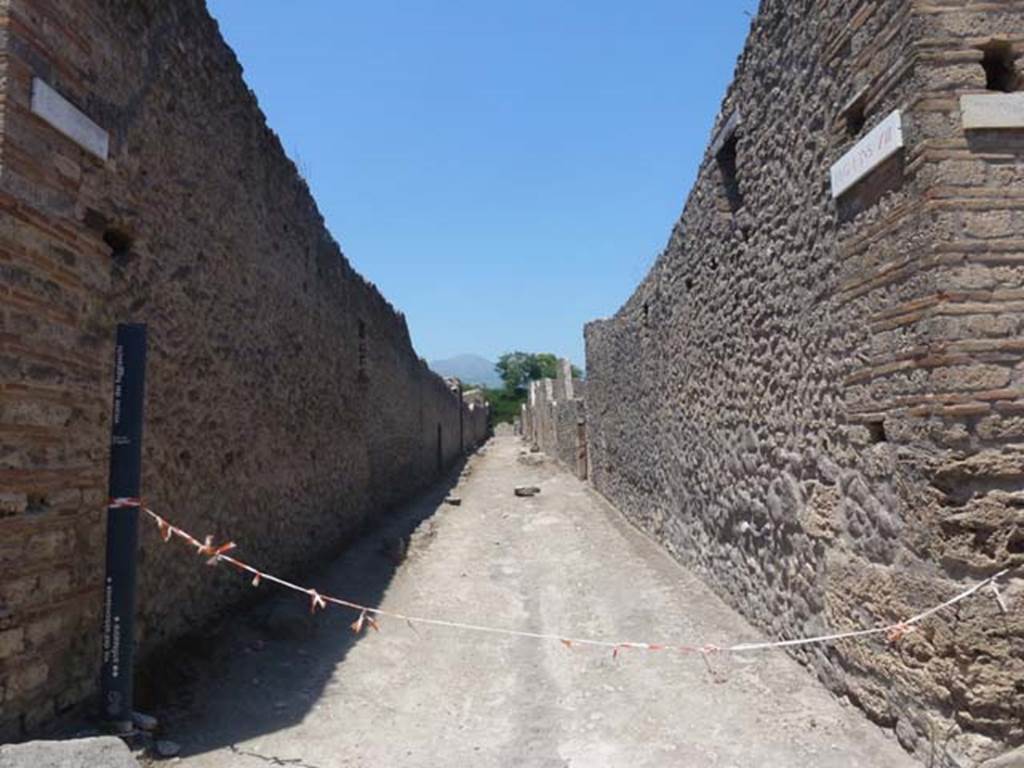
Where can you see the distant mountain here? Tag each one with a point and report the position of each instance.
(471, 369)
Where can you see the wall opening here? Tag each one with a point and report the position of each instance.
(120, 244)
(37, 504)
(856, 117)
(999, 63)
(876, 432)
(854, 113)
(726, 158)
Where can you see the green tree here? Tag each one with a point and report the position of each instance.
(518, 369)
(514, 370)
(545, 366)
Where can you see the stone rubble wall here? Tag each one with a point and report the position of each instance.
(818, 404)
(285, 403)
(477, 418)
(554, 419)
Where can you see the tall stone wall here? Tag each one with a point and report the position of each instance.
(285, 404)
(818, 403)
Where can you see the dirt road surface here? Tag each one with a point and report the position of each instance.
(280, 688)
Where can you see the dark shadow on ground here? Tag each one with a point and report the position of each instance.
(294, 652)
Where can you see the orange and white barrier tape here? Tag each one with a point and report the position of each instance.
(368, 614)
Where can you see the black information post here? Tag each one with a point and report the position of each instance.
(123, 525)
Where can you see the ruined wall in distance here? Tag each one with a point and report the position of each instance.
(477, 417)
(818, 404)
(285, 403)
(554, 419)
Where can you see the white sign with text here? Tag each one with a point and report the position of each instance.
(884, 141)
(68, 119)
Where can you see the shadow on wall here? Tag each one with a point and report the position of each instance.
(273, 660)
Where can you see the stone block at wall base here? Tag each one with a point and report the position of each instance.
(105, 751)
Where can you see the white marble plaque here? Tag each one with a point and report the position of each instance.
(881, 143)
(992, 111)
(68, 119)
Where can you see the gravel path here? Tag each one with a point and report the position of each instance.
(282, 689)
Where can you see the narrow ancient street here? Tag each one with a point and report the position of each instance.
(283, 689)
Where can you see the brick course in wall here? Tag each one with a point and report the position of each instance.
(818, 403)
(285, 403)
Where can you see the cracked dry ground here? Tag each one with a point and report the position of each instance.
(281, 688)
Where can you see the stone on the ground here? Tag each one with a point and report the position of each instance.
(453, 501)
(531, 459)
(144, 722)
(167, 748)
(1012, 759)
(527, 490)
(99, 752)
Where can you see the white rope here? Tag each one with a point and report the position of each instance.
(898, 627)
(893, 632)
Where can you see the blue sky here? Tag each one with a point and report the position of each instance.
(503, 171)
